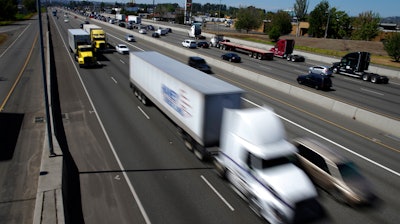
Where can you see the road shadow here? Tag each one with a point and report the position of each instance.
(10, 124)
(70, 177)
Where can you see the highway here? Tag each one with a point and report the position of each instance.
(382, 99)
(163, 182)
(21, 105)
(134, 167)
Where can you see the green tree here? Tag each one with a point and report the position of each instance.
(282, 22)
(392, 46)
(8, 9)
(30, 5)
(274, 33)
(300, 10)
(318, 19)
(365, 26)
(339, 25)
(249, 18)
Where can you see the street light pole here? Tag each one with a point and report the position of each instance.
(327, 24)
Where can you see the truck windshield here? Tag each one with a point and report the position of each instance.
(278, 161)
(259, 163)
(86, 49)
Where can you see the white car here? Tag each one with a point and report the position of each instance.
(189, 43)
(122, 49)
(130, 38)
(142, 31)
(162, 31)
(321, 69)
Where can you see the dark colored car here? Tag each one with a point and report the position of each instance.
(203, 44)
(150, 27)
(200, 64)
(295, 57)
(231, 57)
(121, 24)
(129, 26)
(317, 81)
(334, 173)
(155, 35)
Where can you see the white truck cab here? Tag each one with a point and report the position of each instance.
(255, 157)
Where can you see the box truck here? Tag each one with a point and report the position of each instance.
(120, 17)
(134, 19)
(97, 36)
(195, 31)
(79, 44)
(249, 144)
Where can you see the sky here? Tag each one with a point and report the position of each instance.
(384, 8)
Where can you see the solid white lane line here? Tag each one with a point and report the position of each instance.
(217, 193)
(371, 91)
(328, 140)
(148, 118)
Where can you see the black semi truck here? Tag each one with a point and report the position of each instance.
(356, 64)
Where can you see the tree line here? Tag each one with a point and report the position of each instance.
(324, 21)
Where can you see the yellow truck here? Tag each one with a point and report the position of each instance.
(97, 36)
(80, 45)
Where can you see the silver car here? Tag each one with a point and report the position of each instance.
(321, 69)
(334, 173)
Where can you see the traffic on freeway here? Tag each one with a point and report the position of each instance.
(134, 165)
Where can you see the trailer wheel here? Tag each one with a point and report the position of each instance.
(251, 54)
(260, 56)
(135, 91)
(144, 99)
(199, 154)
(335, 70)
(188, 141)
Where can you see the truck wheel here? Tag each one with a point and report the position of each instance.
(255, 205)
(221, 170)
(335, 70)
(365, 77)
(135, 91)
(374, 79)
(288, 58)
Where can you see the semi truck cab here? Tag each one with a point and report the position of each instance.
(257, 160)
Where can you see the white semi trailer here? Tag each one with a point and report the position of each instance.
(253, 155)
(192, 99)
